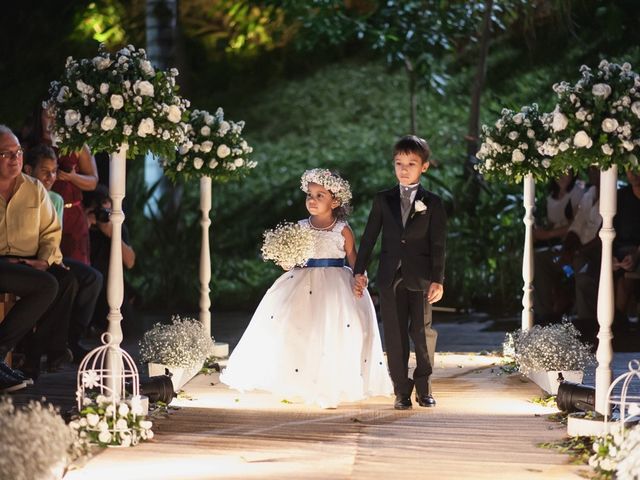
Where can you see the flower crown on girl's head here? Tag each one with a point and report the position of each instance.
(338, 186)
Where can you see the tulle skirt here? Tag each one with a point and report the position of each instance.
(311, 338)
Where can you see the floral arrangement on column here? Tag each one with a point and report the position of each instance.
(213, 148)
(596, 120)
(116, 99)
(518, 145)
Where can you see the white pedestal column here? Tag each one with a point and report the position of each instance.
(604, 354)
(115, 279)
(205, 254)
(527, 255)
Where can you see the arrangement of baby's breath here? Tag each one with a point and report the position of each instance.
(182, 343)
(36, 442)
(106, 423)
(288, 245)
(213, 147)
(618, 453)
(117, 98)
(552, 347)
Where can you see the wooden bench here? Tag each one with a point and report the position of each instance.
(7, 300)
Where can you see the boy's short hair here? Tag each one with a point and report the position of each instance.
(413, 144)
(35, 154)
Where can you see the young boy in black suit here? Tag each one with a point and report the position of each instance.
(411, 269)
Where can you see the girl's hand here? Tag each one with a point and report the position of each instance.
(67, 176)
(435, 292)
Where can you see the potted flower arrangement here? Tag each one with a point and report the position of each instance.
(181, 347)
(36, 442)
(288, 245)
(517, 145)
(617, 453)
(549, 354)
(596, 120)
(108, 424)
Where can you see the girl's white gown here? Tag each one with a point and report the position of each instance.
(311, 338)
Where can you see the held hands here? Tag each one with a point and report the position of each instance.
(67, 176)
(435, 292)
(360, 284)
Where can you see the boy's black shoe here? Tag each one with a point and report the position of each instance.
(403, 402)
(17, 374)
(426, 400)
(10, 384)
(56, 359)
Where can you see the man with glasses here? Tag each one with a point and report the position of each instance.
(30, 267)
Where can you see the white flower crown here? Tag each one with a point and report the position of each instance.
(338, 186)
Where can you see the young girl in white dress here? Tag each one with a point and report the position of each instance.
(311, 338)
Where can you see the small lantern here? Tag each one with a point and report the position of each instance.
(628, 404)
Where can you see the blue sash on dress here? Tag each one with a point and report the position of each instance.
(325, 262)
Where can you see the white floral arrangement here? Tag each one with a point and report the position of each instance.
(114, 99)
(597, 120)
(213, 147)
(36, 441)
(288, 245)
(338, 186)
(549, 348)
(106, 423)
(182, 343)
(514, 147)
(618, 453)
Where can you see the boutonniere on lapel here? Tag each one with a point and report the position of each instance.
(419, 207)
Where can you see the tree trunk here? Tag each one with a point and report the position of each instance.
(413, 98)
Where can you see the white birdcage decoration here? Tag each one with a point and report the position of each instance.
(108, 378)
(626, 402)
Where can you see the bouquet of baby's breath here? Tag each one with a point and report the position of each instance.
(104, 422)
(618, 452)
(182, 343)
(288, 245)
(552, 347)
(36, 442)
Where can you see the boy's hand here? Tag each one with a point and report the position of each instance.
(359, 285)
(435, 292)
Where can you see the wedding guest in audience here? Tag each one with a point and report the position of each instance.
(41, 162)
(31, 268)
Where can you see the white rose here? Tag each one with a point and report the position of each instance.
(92, 419)
(517, 118)
(104, 88)
(627, 145)
(206, 146)
(84, 88)
(71, 117)
(184, 148)
(564, 146)
(208, 119)
(213, 164)
(121, 424)
(108, 123)
(104, 436)
(64, 93)
(174, 114)
(513, 135)
(147, 69)
(224, 128)
(223, 151)
(117, 102)
(101, 63)
(517, 156)
(546, 163)
(166, 135)
(560, 122)
(582, 140)
(238, 162)
(146, 127)
(531, 133)
(198, 163)
(609, 125)
(146, 424)
(144, 88)
(103, 426)
(499, 124)
(205, 131)
(127, 130)
(123, 409)
(635, 108)
(581, 114)
(606, 149)
(601, 90)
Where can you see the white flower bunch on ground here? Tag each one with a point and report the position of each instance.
(599, 117)
(288, 245)
(619, 453)
(552, 347)
(515, 146)
(213, 147)
(105, 422)
(118, 98)
(183, 343)
(36, 442)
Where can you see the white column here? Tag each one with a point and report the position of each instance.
(115, 279)
(604, 354)
(205, 255)
(527, 255)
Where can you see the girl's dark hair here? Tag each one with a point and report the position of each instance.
(34, 155)
(413, 144)
(554, 188)
(342, 212)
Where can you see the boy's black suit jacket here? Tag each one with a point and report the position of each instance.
(419, 245)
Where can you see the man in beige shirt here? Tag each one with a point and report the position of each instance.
(31, 268)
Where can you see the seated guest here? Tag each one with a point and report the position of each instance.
(30, 267)
(98, 206)
(41, 162)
